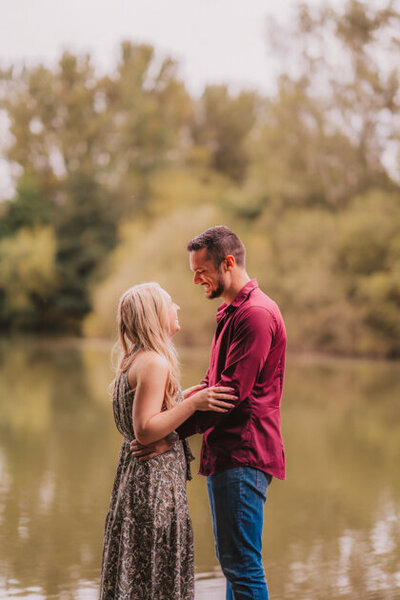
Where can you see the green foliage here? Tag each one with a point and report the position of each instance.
(29, 208)
(296, 267)
(308, 177)
(27, 276)
(222, 125)
(336, 111)
(86, 232)
(369, 229)
(156, 254)
(368, 261)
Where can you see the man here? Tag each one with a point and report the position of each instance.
(242, 449)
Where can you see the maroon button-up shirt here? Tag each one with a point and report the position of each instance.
(247, 354)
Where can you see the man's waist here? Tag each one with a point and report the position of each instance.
(274, 463)
(245, 426)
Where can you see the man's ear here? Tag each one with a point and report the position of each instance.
(229, 262)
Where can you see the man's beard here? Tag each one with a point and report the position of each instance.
(219, 289)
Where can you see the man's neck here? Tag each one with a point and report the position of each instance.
(238, 282)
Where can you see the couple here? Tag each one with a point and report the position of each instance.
(148, 546)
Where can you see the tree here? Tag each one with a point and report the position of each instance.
(29, 208)
(87, 148)
(222, 125)
(333, 127)
(86, 232)
(27, 277)
(148, 112)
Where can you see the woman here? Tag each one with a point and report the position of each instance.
(148, 545)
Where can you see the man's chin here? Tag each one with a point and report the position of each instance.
(213, 293)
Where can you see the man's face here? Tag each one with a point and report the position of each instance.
(206, 274)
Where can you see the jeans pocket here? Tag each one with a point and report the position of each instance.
(263, 481)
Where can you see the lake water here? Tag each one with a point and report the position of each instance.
(332, 530)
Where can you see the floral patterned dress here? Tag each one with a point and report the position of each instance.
(148, 542)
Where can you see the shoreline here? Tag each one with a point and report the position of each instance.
(304, 356)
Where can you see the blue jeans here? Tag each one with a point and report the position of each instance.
(237, 498)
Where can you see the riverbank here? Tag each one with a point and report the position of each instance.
(48, 342)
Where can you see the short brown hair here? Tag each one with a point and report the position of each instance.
(219, 242)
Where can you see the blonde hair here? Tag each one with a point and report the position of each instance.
(143, 324)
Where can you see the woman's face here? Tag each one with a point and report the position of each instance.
(173, 316)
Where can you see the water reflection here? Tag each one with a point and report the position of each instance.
(332, 530)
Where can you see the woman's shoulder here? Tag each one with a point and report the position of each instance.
(148, 363)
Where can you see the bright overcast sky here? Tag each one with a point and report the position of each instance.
(214, 41)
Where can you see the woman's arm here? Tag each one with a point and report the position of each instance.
(152, 424)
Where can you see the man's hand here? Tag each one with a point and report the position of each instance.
(150, 451)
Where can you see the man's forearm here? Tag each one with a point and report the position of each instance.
(189, 427)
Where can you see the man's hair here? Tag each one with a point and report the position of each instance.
(220, 241)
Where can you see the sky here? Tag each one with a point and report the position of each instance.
(214, 41)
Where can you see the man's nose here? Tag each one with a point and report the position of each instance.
(196, 278)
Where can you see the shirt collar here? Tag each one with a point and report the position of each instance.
(244, 293)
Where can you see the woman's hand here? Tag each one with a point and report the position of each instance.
(195, 388)
(215, 398)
